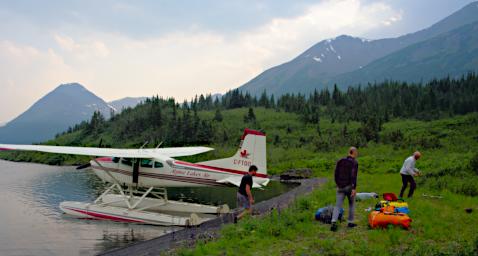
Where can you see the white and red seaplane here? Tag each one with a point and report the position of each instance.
(139, 178)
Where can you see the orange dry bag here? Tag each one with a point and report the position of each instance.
(383, 219)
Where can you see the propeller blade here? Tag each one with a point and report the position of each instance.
(83, 166)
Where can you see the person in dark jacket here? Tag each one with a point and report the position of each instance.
(346, 180)
(244, 194)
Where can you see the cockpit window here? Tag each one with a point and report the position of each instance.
(146, 163)
(158, 164)
(115, 159)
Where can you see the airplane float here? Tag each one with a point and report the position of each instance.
(139, 178)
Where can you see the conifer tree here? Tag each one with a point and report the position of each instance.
(218, 115)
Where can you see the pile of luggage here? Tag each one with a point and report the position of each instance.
(324, 214)
(390, 211)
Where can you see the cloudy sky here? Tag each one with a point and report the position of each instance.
(177, 48)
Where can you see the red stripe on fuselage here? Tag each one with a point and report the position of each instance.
(104, 159)
(159, 176)
(261, 175)
(103, 216)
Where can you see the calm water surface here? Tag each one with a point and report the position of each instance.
(31, 222)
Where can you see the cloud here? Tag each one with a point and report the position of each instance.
(26, 74)
(393, 19)
(181, 63)
(66, 43)
(82, 51)
(286, 38)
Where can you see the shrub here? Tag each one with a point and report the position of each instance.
(474, 164)
(393, 137)
(304, 204)
(469, 188)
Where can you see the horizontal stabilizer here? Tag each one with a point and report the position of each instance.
(236, 181)
(111, 152)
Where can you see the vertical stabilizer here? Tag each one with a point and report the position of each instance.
(252, 151)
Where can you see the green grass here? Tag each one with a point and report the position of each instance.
(440, 226)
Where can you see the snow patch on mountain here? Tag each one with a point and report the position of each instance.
(365, 40)
(332, 48)
(113, 108)
(317, 59)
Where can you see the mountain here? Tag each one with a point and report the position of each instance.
(128, 102)
(453, 53)
(319, 65)
(63, 107)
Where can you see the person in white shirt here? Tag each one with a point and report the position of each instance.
(407, 172)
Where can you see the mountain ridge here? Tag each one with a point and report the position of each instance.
(316, 67)
(65, 106)
(453, 54)
(126, 102)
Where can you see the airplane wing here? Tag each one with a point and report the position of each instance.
(236, 181)
(111, 152)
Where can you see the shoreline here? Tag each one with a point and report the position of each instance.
(210, 230)
(37, 163)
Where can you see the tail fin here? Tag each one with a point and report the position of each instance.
(252, 151)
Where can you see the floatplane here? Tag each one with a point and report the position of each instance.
(139, 179)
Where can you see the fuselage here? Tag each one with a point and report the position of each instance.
(166, 172)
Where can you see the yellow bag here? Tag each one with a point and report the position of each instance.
(394, 204)
(397, 204)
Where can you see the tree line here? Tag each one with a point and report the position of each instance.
(165, 120)
(389, 99)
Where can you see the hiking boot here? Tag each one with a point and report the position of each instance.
(351, 225)
(334, 227)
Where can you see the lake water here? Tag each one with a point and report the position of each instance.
(31, 222)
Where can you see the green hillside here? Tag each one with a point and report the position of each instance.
(323, 121)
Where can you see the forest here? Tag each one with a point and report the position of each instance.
(165, 120)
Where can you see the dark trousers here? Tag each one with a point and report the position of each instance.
(405, 180)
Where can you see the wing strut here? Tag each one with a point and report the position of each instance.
(136, 170)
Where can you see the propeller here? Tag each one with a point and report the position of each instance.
(84, 166)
